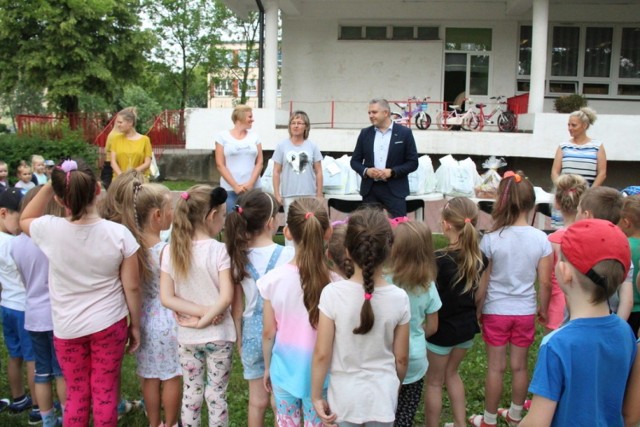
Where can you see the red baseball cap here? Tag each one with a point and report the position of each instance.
(589, 241)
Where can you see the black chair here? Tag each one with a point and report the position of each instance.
(415, 205)
(344, 206)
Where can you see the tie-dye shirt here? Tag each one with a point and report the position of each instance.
(295, 338)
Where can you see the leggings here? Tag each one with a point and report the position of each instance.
(206, 369)
(91, 368)
(408, 400)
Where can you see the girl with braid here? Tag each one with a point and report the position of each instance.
(291, 293)
(363, 333)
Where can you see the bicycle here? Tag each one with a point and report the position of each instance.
(505, 119)
(419, 114)
(445, 120)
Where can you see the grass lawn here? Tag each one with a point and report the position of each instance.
(472, 371)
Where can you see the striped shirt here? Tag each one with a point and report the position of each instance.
(581, 159)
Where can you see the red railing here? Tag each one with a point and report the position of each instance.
(89, 123)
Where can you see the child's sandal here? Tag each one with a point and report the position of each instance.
(504, 414)
(478, 421)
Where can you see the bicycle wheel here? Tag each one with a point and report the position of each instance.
(472, 122)
(441, 120)
(422, 120)
(396, 117)
(507, 122)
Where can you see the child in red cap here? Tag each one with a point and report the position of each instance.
(582, 368)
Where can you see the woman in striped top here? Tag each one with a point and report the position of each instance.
(581, 155)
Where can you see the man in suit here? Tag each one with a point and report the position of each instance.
(384, 156)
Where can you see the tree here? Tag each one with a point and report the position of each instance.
(189, 31)
(246, 32)
(22, 100)
(71, 47)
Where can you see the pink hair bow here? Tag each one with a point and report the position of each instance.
(397, 221)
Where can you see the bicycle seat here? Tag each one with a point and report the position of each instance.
(454, 107)
(481, 105)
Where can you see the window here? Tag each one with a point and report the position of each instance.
(223, 88)
(584, 59)
(350, 33)
(468, 39)
(402, 33)
(375, 33)
(388, 32)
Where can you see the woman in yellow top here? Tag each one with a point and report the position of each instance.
(129, 149)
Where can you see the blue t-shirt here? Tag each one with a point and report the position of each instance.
(584, 367)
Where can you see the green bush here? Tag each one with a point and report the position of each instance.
(570, 103)
(14, 148)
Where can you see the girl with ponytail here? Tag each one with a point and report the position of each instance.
(363, 332)
(291, 294)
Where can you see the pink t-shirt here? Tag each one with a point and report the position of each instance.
(84, 273)
(202, 286)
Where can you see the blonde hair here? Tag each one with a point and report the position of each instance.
(305, 118)
(462, 214)
(129, 114)
(515, 195)
(110, 207)
(569, 189)
(631, 210)
(36, 158)
(190, 215)
(586, 115)
(240, 113)
(337, 253)
(413, 264)
(308, 222)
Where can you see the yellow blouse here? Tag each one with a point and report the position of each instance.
(131, 153)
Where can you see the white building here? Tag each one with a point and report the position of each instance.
(338, 54)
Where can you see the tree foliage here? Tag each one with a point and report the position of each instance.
(71, 47)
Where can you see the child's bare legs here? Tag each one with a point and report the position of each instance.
(31, 379)
(14, 375)
(443, 369)
(158, 394)
(171, 400)
(259, 401)
(455, 387)
(519, 373)
(497, 363)
(151, 395)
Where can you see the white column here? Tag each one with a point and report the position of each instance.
(271, 54)
(538, 54)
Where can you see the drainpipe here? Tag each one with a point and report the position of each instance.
(261, 54)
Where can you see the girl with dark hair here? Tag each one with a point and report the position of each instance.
(363, 332)
(250, 227)
(91, 297)
(291, 294)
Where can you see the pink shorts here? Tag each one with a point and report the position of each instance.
(557, 304)
(499, 330)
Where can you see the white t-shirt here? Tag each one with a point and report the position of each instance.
(363, 381)
(202, 286)
(13, 291)
(260, 257)
(239, 157)
(84, 273)
(515, 252)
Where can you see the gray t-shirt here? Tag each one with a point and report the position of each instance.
(298, 177)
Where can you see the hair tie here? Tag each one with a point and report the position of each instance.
(67, 166)
(238, 209)
(467, 220)
(308, 215)
(367, 296)
(334, 224)
(397, 221)
(184, 195)
(515, 176)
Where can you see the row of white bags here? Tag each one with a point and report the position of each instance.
(454, 178)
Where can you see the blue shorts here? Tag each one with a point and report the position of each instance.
(16, 338)
(443, 351)
(252, 358)
(47, 367)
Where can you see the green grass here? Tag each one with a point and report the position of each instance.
(472, 370)
(178, 185)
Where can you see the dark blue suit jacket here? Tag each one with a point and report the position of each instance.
(402, 159)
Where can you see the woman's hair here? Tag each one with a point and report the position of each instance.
(462, 215)
(305, 118)
(631, 210)
(240, 113)
(308, 223)
(110, 207)
(586, 115)
(129, 114)
(248, 218)
(189, 215)
(413, 265)
(22, 165)
(52, 208)
(36, 158)
(76, 188)
(368, 240)
(137, 202)
(515, 195)
(337, 253)
(569, 190)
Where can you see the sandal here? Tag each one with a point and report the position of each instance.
(478, 421)
(527, 405)
(504, 414)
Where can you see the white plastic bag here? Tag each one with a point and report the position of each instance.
(154, 170)
(457, 178)
(422, 180)
(266, 180)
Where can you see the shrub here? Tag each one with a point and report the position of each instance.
(14, 148)
(570, 103)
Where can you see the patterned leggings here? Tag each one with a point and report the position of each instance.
(91, 368)
(408, 400)
(215, 359)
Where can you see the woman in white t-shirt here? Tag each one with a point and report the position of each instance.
(93, 283)
(363, 332)
(239, 156)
